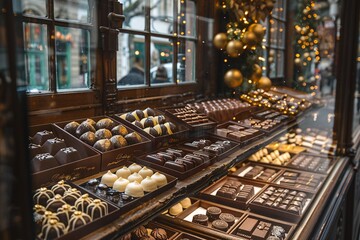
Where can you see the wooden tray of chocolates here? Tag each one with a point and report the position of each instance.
(281, 202)
(295, 179)
(129, 186)
(177, 162)
(268, 126)
(254, 226)
(232, 130)
(265, 114)
(160, 129)
(115, 141)
(271, 157)
(257, 171)
(232, 191)
(65, 211)
(313, 163)
(205, 217)
(211, 144)
(55, 155)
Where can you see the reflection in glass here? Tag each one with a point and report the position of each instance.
(131, 60)
(34, 7)
(186, 61)
(279, 9)
(161, 16)
(72, 10)
(186, 17)
(72, 57)
(280, 63)
(36, 56)
(161, 60)
(134, 11)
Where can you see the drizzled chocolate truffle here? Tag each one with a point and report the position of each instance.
(52, 230)
(42, 195)
(78, 219)
(60, 188)
(55, 203)
(97, 209)
(83, 202)
(65, 212)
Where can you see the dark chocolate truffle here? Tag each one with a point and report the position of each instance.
(227, 217)
(133, 138)
(147, 122)
(138, 114)
(89, 138)
(149, 112)
(44, 161)
(97, 209)
(65, 212)
(200, 219)
(55, 203)
(220, 225)
(42, 195)
(83, 128)
(118, 141)
(52, 230)
(60, 187)
(71, 195)
(119, 130)
(78, 219)
(67, 155)
(71, 127)
(151, 131)
(103, 134)
(213, 213)
(138, 233)
(41, 137)
(159, 234)
(128, 117)
(105, 123)
(103, 145)
(138, 124)
(83, 202)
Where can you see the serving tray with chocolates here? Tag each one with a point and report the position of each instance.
(115, 141)
(281, 202)
(55, 155)
(272, 157)
(234, 131)
(129, 185)
(262, 228)
(319, 164)
(177, 162)
(161, 129)
(273, 115)
(267, 125)
(65, 211)
(256, 171)
(232, 191)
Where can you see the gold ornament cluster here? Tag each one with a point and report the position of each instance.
(255, 9)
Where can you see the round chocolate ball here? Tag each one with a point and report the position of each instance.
(105, 123)
(103, 145)
(119, 130)
(103, 134)
(83, 128)
(133, 138)
(118, 141)
(89, 138)
(71, 127)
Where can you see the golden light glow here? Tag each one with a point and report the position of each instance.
(137, 52)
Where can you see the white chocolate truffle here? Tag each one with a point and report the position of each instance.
(146, 172)
(176, 209)
(134, 189)
(277, 162)
(109, 178)
(123, 172)
(135, 177)
(134, 167)
(149, 184)
(277, 153)
(265, 151)
(264, 160)
(186, 202)
(160, 179)
(120, 184)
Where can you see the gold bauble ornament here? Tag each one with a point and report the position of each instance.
(233, 78)
(258, 30)
(220, 40)
(234, 48)
(264, 83)
(257, 73)
(250, 39)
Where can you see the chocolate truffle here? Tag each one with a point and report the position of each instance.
(120, 184)
(55, 203)
(42, 195)
(60, 187)
(146, 172)
(52, 230)
(133, 138)
(147, 122)
(213, 213)
(134, 167)
(138, 124)
(227, 217)
(41, 137)
(160, 179)
(118, 141)
(90, 121)
(97, 209)
(78, 219)
(105, 123)
(135, 177)
(71, 127)
(67, 155)
(176, 209)
(65, 212)
(103, 134)
(148, 184)
(48, 215)
(83, 202)
(123, 172)
(159, 234)
(149, 112)
(119, 130)
(71, 195)
(220, 225)
(89, 138)
(134, 189)
(39, 209)
(200, 219)
(109, 178)
(103, 145)
(138, 114)
(170, 127)
(83, 128)
(160, 119)
(151, 131)
(138, 233)
(128, 117)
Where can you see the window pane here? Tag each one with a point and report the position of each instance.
(186, 17)
(131, 60)
(280, 63)
(281, 34)
(162, 16)
(72, 10)
(134, 11)
(273, 32)
(72, 58)
(36, 56)
(161, 60)
(34, 7)
(279, 9)
(186, 61)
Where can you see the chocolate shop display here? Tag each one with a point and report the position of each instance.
(300, 180)
(237, 133)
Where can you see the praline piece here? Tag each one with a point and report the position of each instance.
(133, 138)
(53, 145)
(103, 134)
(118, 141)
(138, 233)
(83, 128)
(71, 127)
(105, 123)
(176, 209)
(55, 203)
(67, 155)
(78, 219)
(83, 202)
(60, 187)
(103, 145)
(41, 137)
(185, 203)
(119, 130)
(159, 234)
(97, 209)
(44, 161)
(89, 138)
(42, 195)
(52, 230)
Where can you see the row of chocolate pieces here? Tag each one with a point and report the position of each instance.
(155, 125)
(62, 209)
(178, 160)
(104, 135)
(48, 151)
(302, 180)
(236, 190)
(281, 198)
(215, 218)
(205, 145)
(267, 124)
(314, 140)
(143, 233)
(273, 157)
(261, 173)
(127, 184)
(270, 114)
(190, 116)
(252, 228)
(179, 207)
(236, 132)
(221, 110)
(312, 163)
